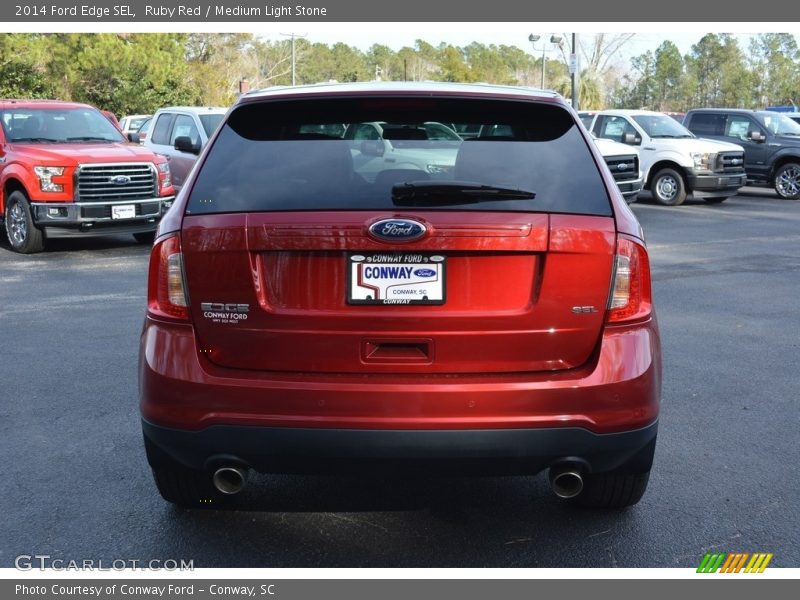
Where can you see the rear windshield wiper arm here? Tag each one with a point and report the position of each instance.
(421, 193)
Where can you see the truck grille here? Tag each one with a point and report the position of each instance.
(623, 168)
(109, 183)
(729, 162)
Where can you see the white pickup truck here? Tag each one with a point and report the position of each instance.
(674, 162)
(624, 163)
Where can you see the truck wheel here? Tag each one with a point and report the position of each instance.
(23, 235)
(668, 187)
(787, 181)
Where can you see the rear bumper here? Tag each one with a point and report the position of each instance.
(508, 451)
(196, 411)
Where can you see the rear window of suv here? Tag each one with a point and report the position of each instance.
(298, 156)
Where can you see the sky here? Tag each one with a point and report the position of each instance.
(396, 35)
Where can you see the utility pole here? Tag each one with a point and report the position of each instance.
(294, 70)
(573, 72)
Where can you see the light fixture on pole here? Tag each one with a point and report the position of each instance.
(554, 39)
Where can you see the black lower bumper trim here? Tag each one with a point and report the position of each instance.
(291, 450)
(715, 185)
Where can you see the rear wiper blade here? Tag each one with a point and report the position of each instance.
(33, 139)
(421, 193)
(88, 138)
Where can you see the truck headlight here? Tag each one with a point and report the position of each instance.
(703, 160)
(46, 174)
(166, 175)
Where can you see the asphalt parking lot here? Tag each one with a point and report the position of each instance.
(726, 283)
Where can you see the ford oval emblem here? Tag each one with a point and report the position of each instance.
(120, 180)
(397, 230)
(424, 272)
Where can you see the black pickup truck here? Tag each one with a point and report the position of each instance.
(771, 143)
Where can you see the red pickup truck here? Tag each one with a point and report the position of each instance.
(66, 170)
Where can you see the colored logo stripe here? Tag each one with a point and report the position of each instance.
(734, 562)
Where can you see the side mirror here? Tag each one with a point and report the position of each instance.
(184, 144)
(133, 137)
(373, 148)
(756, 136)
(631, 139)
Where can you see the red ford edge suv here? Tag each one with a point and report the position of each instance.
(321, 300)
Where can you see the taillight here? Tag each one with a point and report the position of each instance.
(166, 292)
(631, 297)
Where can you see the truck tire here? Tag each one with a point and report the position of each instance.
(23, 235)
(787, 181)
(668, 187)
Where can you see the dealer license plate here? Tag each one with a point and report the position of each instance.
(123, 211)
(395, 278)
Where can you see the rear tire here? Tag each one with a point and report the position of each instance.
(186, 487)
(787, 181)
(715, 200)
(23, 235)
(622, 487)
(178, 484)
(668, 187)
(613, 489)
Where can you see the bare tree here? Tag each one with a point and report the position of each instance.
(598, 50)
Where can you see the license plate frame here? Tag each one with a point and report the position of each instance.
(396, 267)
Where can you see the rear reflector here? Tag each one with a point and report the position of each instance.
(631, 297)
(166, 295)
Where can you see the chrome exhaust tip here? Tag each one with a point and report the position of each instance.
(229, 480)
(566, 481)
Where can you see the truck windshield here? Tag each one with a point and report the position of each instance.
(58, 125)
(210, 123)
(780, 124)
(662, 126)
